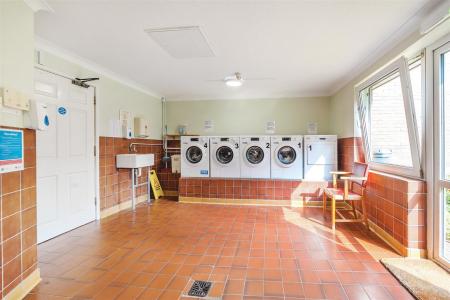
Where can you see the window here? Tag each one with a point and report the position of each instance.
(416, 76)
(387, 116)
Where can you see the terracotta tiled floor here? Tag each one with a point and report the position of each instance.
(248, 253)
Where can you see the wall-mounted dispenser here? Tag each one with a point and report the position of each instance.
(125, 118)
(126, 132)
(141, 127)
(37, 117)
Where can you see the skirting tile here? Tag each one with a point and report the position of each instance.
(259, 202)
(171, 193)
(121, 206)
(396, 245)
(24, 287)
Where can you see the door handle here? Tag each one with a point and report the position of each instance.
(310, 148)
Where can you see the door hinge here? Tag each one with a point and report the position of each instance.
(95, 201)
(95, 100)
(95, 150)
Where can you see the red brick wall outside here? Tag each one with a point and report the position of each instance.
(18, 219)
(349, 151)
(396, 204)
(115, 184)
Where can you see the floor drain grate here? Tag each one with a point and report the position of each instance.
(200, 288)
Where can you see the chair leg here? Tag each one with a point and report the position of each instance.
(353, 208)
(333, 213)
(364, 211)
(324, 203)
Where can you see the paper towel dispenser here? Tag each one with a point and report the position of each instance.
(141, 127)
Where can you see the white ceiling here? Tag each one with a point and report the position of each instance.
(310, 48)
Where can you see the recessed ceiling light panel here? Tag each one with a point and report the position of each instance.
(182, 42)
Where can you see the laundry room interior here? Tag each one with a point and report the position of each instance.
(224, 149)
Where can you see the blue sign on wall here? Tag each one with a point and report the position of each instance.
(62, 110)
(11, 150)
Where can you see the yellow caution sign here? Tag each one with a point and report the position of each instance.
(156, 187)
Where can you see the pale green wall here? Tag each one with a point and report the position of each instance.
(16, 54)
(112, 96)
(239, 117)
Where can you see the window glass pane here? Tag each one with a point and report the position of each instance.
(446, 226)
(415, 74)
(446, 112)
(389, 139)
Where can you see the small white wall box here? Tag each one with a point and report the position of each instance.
(141, 127)
(11, 150)
(38, 115)
(15, 99)
(176, 163)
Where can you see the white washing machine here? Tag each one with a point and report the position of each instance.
(320, 156)
(224, 152)
(194, 156)
(287, 157)
(255, 157)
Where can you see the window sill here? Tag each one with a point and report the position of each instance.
(395, 176)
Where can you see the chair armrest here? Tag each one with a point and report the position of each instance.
(336, 174)
(353, 178)
(340, 172)
(346, 179)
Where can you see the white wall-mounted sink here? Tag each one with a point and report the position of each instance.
(133, 161)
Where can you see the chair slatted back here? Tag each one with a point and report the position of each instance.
(359, 170)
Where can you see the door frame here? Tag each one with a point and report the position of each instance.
(431, 152)
(96, 135)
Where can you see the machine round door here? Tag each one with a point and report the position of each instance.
(224, 154)
(286, 155)
(194, 154)
(254, 155)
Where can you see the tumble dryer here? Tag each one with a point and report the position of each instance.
(320, 156)
(194, 156)
(255, 157)
(287, 157)
(224, 157)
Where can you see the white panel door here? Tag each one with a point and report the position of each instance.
(65, 156)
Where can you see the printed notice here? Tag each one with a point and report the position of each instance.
(11, 150)
(312, 127)
(208, 125)
(270, 127)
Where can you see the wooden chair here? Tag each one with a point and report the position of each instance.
(354, 190)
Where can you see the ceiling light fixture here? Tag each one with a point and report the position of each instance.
(234, 80)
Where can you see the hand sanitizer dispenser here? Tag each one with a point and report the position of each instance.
(37, 116)
(126, 130)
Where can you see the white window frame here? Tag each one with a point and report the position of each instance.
(434, 148)
(421, 138)
(400, 66)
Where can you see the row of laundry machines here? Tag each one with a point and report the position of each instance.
(309, 157)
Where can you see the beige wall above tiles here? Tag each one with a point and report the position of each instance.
(240, 117)
(112, 96)
(16, 54)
